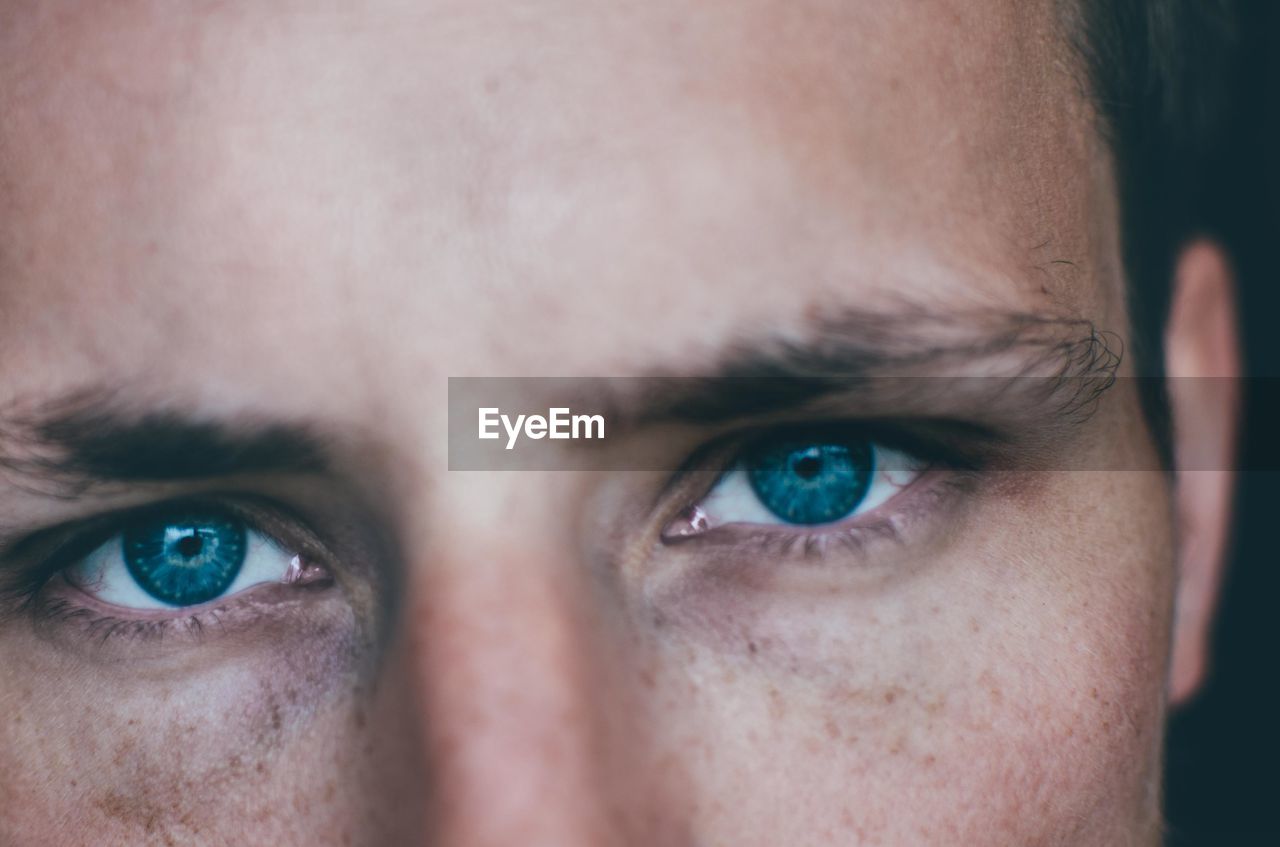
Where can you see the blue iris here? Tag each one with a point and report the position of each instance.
(187, 558)
(812, 482)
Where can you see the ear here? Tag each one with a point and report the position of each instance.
(1202, 361)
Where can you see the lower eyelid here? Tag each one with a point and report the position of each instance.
(925, 491)
(306, 576)
(762, 565)
(65, 614)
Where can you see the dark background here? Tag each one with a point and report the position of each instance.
(1223, 773)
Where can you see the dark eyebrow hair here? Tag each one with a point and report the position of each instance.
(81, 439)
(84, 438)
(1064, 361)
(1015, 379)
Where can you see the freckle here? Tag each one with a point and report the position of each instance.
(751, 646)
(1093, 692)
(123, 751)
(890, 696)
(974, 626)
(260, 768)
(647, 678)
(833, 731)
(777, 707)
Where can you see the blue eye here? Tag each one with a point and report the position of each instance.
(186, 556)
(812, 483)
(185, 559)
(805, 480)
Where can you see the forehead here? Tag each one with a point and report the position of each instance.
(381, 193)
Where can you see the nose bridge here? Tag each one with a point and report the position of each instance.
(511, 698)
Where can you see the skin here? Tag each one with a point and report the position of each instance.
(273, 211)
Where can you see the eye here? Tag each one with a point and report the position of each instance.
(178, 558)
(802, 481)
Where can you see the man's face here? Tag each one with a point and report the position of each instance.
(224, 222)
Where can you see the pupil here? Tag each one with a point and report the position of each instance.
(190, 546)
(808, 466)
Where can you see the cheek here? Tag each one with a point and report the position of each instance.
(1013, 692)
(273, 739)
(1053, 721)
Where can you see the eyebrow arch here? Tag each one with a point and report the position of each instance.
(81, 439)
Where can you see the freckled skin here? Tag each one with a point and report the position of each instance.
(272, 208)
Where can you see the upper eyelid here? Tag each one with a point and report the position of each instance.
(947, 440)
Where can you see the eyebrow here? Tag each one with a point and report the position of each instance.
(85, 438)
(1059, 364)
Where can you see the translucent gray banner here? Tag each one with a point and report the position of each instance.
(1033, 423)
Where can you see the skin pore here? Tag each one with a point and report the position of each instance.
(244, 216)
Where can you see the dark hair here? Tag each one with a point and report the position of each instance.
(1159, 72)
